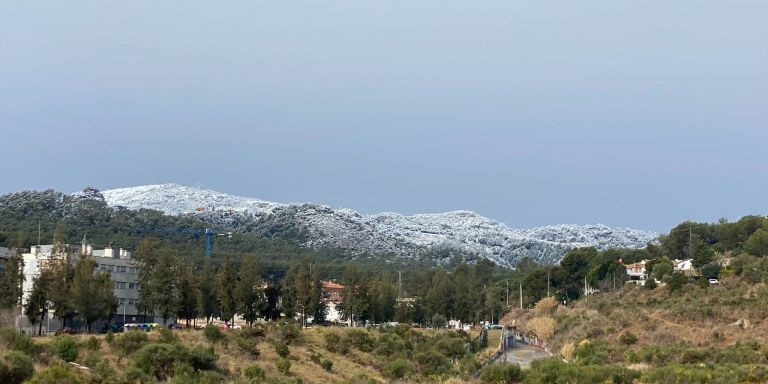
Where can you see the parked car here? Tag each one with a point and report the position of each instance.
(714, 282)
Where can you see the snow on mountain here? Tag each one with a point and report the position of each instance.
(396, 235)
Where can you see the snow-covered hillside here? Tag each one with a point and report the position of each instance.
(393, 234)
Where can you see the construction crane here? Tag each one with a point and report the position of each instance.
(209, 234)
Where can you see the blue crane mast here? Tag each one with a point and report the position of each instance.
(209, 234)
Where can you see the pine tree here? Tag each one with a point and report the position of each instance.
(355, 298)
(288, 293)
(207, 298)
(248, 291)
(303, 289)
(163, 285)
(36, 306)
(226, 291)
(316, 305)
(62, 275)
(188, 292)
(92, 295)
(147, 257)
(10, 282)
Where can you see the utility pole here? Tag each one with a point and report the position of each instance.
(521, 294)
(38, 232)
(690, 242)
(507, 293)
(548, 283)
(399, 283)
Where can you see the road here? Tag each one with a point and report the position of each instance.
(523, 355)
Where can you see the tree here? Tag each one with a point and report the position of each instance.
(62, 275)
(288, 293)
(147, 257)
(248, 292)
(163, 285)
(36, 306)
(303, 288)
(188, 292)
(757, 243)
(316, 305)
(227, 280)
(10, 282)
(207, 301)
(355, 298)
(92, 294)
(711, 270)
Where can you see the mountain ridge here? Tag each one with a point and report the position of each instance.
(319, 225)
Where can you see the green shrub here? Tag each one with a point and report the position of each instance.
(676, 281)
(396, 369)
(336, 344)
(361, 340)
(502, 373)
(65, 347)
(254, 372)
(326, 364)
(627, 338)
(431, 362)
(650, 284)
(452, 347)
(167, 336)
(201, 358)
(282, 350)
(92, 343)
(249, 346)
(283, 366)
(103, 373)
(12, 340)
(554, 370)
(55, 374)
(15, 367)
(389, 344)
(694, 374)
(288, 332)
(110, 337)
(130, 342)
(158, 360)
(212, 333)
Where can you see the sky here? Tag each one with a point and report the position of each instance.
(640, 114)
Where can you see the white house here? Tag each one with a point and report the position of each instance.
(682, 265)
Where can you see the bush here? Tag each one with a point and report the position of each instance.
(130, 342)
(249, 346)
(676, 281)
(201, 358)
(283, 366)
(92, 343)
(711, 270)
(627, 338)
(432, 362)
(361, 340)
(15, 367)
(65, 347)
(12, 340)
(158, 360)
(502, 373)
(396, 369)
(326, 364)
(543, 327)
(335, 344)
(650, 284)
(282, 350)
(288, 332)
(212, 333)
(167, 336)
(110, 337)
(554, 370)
(254, 372)
(55, 374)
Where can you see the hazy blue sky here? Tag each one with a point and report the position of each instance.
(632, 113)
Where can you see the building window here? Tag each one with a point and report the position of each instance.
(120, 268)
(121, 301)
(131, 269)
(119, 284)
(132, 303)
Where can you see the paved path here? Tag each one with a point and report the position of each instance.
(523, 355)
